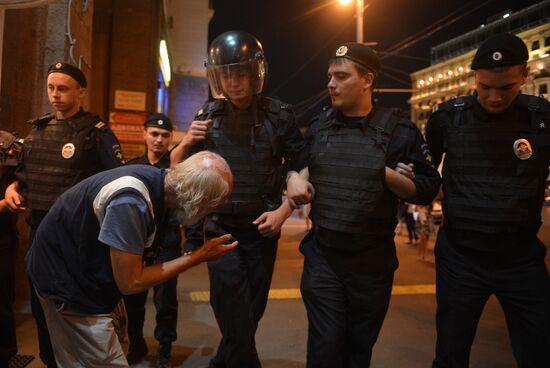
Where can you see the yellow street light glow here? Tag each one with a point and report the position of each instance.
(450, 72)
(431, 79)
(421, 82)
(345, 2)
(460, 69)
(165, 63)
(440, 76)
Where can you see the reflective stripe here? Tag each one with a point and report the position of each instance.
(107, 191)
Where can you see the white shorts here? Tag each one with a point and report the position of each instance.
(82, 340)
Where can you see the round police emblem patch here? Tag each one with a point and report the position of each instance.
(67, 151)
(522, 149)
(342, 50)
(160, 122)
(58, 65)
(497, 56)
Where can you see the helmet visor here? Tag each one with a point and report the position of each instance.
(234, 81)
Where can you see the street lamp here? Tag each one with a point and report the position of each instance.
(359, 5)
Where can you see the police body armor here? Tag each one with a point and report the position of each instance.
(248, 142)
(59, 154)
(347, 170)
(487, 188)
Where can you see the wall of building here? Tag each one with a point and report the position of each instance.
(126, 38)
(187, 33)
(35, 38)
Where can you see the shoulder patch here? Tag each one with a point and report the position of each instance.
(426, 153)
(43, 120)
(117, 151)
(100, 125)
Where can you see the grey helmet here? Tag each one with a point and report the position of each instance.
(233, 54)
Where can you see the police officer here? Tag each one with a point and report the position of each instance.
(62, 149)
(255, 134)
(497, 146)
(350, 255)
(158, 133)
(10, 148)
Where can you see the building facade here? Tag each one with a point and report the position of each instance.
(450, 75)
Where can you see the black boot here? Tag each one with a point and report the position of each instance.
(138, 350)
(163, 355)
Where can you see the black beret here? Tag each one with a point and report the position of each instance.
(159, 121)
(70, 70)
(504, 49)
(359, 53)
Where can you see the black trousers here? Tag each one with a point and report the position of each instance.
(466, 278)
(44, 342)
(239, 286)
(8, 255)
(165, 299)
(346, 296)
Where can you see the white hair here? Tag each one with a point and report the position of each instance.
(200, 184)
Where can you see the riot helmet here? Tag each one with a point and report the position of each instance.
(236, 65)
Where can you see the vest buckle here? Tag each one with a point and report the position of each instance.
(379, 131)
(459, 104)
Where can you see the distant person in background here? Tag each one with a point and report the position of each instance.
(410, 219)
(424, 226)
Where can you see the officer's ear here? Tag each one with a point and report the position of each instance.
(368, 81)
(81, 91)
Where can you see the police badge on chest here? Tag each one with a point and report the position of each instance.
(522, 149)
(68, 151)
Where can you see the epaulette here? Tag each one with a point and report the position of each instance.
(285, 106)
(455, 104)
(268, 104)
(211, 107)
(326, 115)
(43, 120)
(100, 125)
(533, 103)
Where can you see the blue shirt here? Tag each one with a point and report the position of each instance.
(127, 223)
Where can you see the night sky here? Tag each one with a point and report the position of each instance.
(299, 36)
